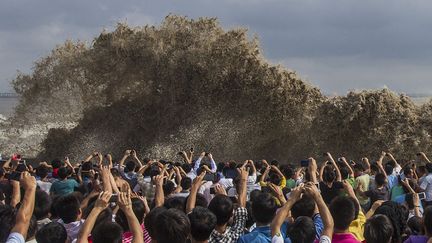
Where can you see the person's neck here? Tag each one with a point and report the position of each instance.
(261, 224)
(197, 241)
(339, 231)
(221, 228)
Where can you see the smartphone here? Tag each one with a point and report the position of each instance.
(15, 175)
(191, 149)
(179, 153)
(114, 198)
(206, 154)
(212, 190)
(421, 195)
(304, 163)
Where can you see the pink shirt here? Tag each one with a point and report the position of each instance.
(344, 238)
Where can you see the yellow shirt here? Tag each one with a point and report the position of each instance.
(357, 226)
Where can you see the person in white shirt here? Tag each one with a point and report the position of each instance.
(426, 185)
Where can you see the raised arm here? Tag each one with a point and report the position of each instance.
(178, 178)
(312, 169)
(265, 174)
(380, 163)
(243, 173)
(338, 174)
(213, 166)
(125, 156)
(100, 205)
(25, 212)
(198, 162)
(16, 193)
(135, 156)
(281, 215)
(351, 172)
(323, 209)
(190, 204)
(423, 156)
(367, 164)
(393, 159)
(252, 164)
(125, 204)
(159, 194)
(106, 181)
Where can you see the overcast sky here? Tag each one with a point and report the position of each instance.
(335, 45)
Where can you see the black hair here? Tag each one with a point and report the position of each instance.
(358, 167)
(42, 171)
(186, 183)
(302, 230)
(388, 169)
(356, 207)
(168, 187)
(428, 167)
(222, 207)
(178, 230)
(130, 166)
(408, 170)
(52, 232)
(7, 221)
(107, 232)
(287, 171)
(380, 179)
(200, 201)
(56, 163)
(427, 220)
(345, 172)
(398, 216)
(150, 220)
(175, 202)
(68, 208)
(342, 210)
(139, 210)
(415, 225)
(275, 178)
(42, 205)
(202, 222)
(275, 163)
(264, 208)
(378, 229)
(303, 207)
(32, 228)
(63, 172)
(329, 174)
(186, 167)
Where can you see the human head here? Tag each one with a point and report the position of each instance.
(302, 230)
(329, 174)
(7, 221)
(56, 163)
(408, 172)
(427, 220)
(175, 202)
(42, 171)
(222, 207)
(358, 169)
(63, 173)
(429, 167)
(139, 210)
(344, 172)
(107, 232)
(263, 208)
(68, 209)
(202, 221)
(303, 207)
(380, 179)
(150, 220)
(342, 210)
(130, 166)
(178, 230)
(398, 216)
(388, 168)
(186, 183)
(186, 167)
(42, 205)
(168, 187)
(378, 229)
(53, 232)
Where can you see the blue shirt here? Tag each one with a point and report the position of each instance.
(261, 234)
(392, 181)
(63, 187)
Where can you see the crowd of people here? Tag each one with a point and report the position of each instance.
(197, 199)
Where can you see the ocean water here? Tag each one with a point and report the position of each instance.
(7, 105)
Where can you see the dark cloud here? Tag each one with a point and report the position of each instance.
(338, 45)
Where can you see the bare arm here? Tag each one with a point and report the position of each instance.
(393, 159)
(338, 174)
(379, 163)
(135, 156)
(190, 204)
(125, 204)
(423, 156)
(284, 211)
(367, 164)
(125, 156)
(16, 193)
(312, 169)
(351, 172)
(242, 188)
(323, 209)
(100, 205)
(105, 176)
(25, 212)
(159, 194)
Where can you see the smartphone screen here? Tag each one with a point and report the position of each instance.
(304, 163)
(422, 195)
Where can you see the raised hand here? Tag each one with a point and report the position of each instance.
(220, 190)
(103, 200)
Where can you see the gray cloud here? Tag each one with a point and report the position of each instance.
(338, 45)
